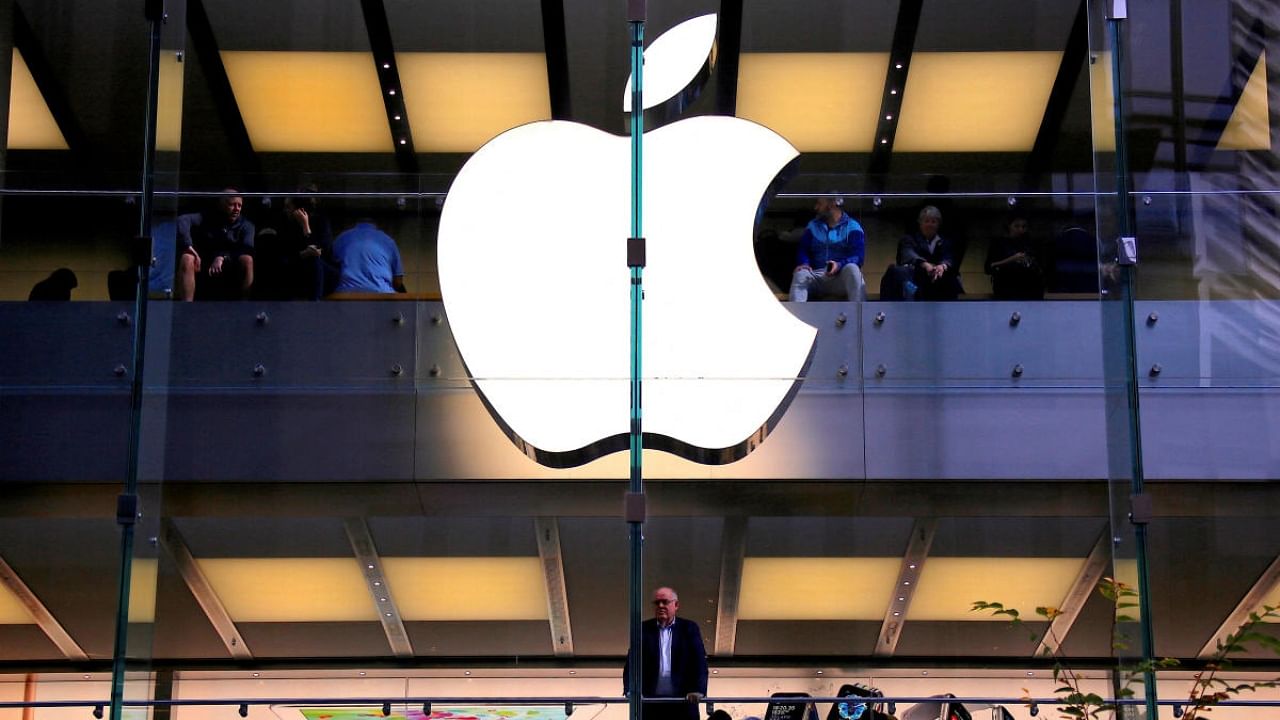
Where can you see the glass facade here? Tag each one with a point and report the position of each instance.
(378, 465)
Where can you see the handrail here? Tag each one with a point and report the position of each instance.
(599, 700)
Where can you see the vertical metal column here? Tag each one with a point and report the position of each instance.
(635, 510)
(1139, 503)
(127, 503)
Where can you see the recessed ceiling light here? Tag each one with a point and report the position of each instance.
(893, 91)
(257, 674)
(467, 672)
(898, 65)
(369, 566)
(392, 91)
(912, 566)
(386, 66)
(363, 673)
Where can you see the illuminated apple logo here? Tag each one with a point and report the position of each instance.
(532, 261)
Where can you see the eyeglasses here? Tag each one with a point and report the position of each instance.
(664, 602)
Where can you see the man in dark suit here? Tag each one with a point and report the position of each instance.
(926, 267)
(673, 661)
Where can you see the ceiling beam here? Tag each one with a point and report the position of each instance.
(205, 45)
(375, 579)
(555, 46)
(1251, 602)
(548, 532)
(384, 58)
(1074, 56)
(1095, 565)
(46, 79)
(895, 83)
(173, 543)
(728, 54)
(44, 619)
(733, 551)
(908, 579)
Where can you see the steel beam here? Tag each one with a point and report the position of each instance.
(905, 587)
(173, 543)
(548, 530)
(733, 551)
(45, 620)
(1094, 568)
(379, 589)
(1251, 602)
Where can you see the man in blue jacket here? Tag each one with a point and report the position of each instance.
(829, 259)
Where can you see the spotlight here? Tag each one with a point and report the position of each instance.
(568, 709)
(1177, 711)
(426, 709)
(386, 709)
(243, 710)
(97, 712)
(1035, 709)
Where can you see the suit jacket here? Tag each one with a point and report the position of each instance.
(688, 659)
(914, 249)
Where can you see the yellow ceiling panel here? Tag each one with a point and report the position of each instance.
(468, 588)
(820, 102)
(12, 611)
(817, 588)
(169, 104)
(31, 125)
(142, 591)
(290, 589)
(948, 586)
(309, 101)
(459, 101)
(1250, 125)
(975, 101)
(1102, 104)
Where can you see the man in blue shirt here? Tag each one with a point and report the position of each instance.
(369, 261)
(830, 254)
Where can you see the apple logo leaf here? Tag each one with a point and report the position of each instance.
(676, 64)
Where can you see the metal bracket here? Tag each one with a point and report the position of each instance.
(635, 252)
(633, 507)
(1127, 251)
(636, 10)
(1141, 508)
(126, 509)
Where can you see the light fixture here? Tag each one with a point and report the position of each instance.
(363, 673)
(382, 599)
(392, 91)
(397, 117)
(902, 598)
(912, 566)
(924, 672)
(898, 65)
(906, 582)
(378, 583)
(387, 614)
(243, 709)
(819, 672)
(97, 712)
(573, 672)
(386, 66)
(386, 709)
(403, 141)
(884, 141)
(369, 566)
(426, 709)
(894, 91)
(888, 117)
(257, 674)
(466, 672)
(568, 709)
(896, 613)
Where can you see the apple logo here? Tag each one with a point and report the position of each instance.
(533, 273)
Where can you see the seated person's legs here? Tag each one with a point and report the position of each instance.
(946, 287)
(893, 284)
(800, 282)
(184, 279)
(851, 281)
(245, 263)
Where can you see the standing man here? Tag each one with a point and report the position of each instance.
(673, 659)
(830, 254)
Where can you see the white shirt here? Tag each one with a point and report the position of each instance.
(664, 660)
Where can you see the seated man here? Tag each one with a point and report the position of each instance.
(830, 254)
(926, 269)
(1014, 264)
(215, 247)
(295, 253)
(369, 261)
